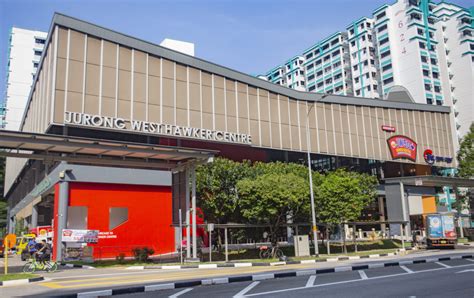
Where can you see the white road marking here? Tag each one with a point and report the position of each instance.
(407, 269)
(470, 260)
(310, 281)
(180, 293)
(95, 293)
(444, 265)
(362, 274)
(351, 281)
(246, 289)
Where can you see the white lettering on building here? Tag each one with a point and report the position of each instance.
(81, 119)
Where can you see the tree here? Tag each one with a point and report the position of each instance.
(216, 188)
(342, 196)
(465, 170)
(466, 155)
(269, 198)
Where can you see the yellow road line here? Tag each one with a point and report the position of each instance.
(163, 276)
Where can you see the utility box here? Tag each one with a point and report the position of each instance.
(301, 246)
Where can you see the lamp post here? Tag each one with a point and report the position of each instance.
(310, 173)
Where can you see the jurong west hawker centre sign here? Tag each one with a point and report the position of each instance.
(98, 121)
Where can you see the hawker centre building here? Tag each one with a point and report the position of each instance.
(115, 126)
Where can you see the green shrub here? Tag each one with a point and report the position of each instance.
(120, 258)
(141, 254)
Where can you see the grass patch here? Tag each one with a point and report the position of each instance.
(15, 276)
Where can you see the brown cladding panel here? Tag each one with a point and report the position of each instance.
(123, 109)
(62, 43)
(194, 97)
(302, 125)
(168, 92)
(194, 75)
(139, 87)
(263, 102)
(91, 105)
(181, 95)
(110, 54)
(220, 122)
(153, 113)
(230, 103)
(195, 118)
(181, 73)
(242, 103)
(254, 132)
(139, 62)
(61, 71)
(181, 117)
(125, 59)
(108, 106)
(75, 76)
(207, 99)
(124, 85)
(285, 136)
(76, 46)
(74, 102)
(219, 101)
(275, 128)
(93, 50)
(58, 106)
(265, 128)
(168, 69)
(253, 105)
(207, 120)
(108, 82)
(231, 124)
(154, 66)
(168, 115)
(92, 79)
(243, 125)
(154, 90)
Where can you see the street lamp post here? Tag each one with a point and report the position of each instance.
(310, 173)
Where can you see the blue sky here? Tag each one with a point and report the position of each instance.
(249, 36)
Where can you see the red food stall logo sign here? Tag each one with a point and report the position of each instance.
(402, 147)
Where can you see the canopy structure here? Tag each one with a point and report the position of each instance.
(432, 181)
(96, 152)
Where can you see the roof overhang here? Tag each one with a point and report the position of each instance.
(97, 152)
(431, 181)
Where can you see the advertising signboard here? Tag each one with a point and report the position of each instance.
(435, 227)
(448, 226)
(83, 236)
(402, 147)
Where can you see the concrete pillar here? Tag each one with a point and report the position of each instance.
(397, 207)
(61, 222)
(193, 206)
(382, 213)
(11, 226)
(188, 216)
(34, 216)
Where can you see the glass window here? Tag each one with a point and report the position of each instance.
(117, 216)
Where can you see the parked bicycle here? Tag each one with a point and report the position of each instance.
(270, 252)
(32, 265)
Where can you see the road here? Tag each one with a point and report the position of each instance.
(444, 279)
(80, 280)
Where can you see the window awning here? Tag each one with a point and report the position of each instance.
(98, 152)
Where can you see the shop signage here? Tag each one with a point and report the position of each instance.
(430, 158)
(388, 128)
(402, 147)
(82, 236)
(170, 130)
(41, 187)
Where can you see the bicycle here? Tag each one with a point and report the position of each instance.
(270, 252)
(32, 265)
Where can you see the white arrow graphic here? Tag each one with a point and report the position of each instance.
(467, 270)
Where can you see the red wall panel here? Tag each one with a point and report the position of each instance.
(149, 216)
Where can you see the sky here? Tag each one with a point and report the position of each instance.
(245, 35)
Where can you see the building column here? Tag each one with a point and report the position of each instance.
(397, 207)
(188, 216)
(193, 206)
(34, 216)
(61, 222)
(383, 227)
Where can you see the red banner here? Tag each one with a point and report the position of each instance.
(402, 147)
